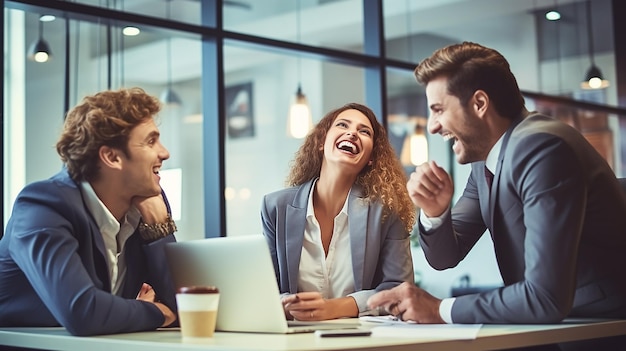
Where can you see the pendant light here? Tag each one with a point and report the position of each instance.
(415, 147)
(300, 121)
(593, 77)
(39, 50)
(169, 96)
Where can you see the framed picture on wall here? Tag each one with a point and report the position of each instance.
(239, 116)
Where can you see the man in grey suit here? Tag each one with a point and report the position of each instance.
(555, 210)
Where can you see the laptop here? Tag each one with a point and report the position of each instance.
(241, 268)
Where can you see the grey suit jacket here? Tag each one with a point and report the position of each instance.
(381, 255)
(557, 217)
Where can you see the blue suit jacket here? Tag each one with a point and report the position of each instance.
(557, 217)
(381, 255)
(53, 269)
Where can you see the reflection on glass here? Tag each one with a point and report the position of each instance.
(317, 22)
(187, 11)
(258, 163)
(95, 64)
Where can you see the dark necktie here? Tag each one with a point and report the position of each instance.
(488, 177)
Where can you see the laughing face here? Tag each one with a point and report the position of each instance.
(145, 158)
(454, 122)
(349, 140)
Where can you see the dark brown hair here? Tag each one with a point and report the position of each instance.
(470, 67)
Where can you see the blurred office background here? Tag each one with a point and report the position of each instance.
(229, 72)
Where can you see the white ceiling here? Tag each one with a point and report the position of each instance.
(334, 23)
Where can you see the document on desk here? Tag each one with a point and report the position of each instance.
(391, 327)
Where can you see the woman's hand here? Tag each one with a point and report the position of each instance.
(311, 306)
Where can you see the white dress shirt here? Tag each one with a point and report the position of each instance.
(429, 223)
(113, 234)
(331, 274)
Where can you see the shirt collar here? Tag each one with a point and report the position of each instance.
(106, 222)
(492, 158)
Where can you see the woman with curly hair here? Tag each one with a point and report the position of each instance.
(340, 231)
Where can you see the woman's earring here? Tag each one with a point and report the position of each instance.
(369, 163)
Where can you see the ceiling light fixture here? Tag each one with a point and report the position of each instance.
(553, 15)
(131, 31)
(47, 18)
(593, 77)
(39, 50)
(300, 121)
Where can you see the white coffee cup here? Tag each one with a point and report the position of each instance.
(197, 311)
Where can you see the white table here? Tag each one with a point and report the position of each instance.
(490, 337)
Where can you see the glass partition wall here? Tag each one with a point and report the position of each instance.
(89, 56)
(215, 58)
(228, 72)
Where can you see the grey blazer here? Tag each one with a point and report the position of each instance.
(557, 217)
(381, 255)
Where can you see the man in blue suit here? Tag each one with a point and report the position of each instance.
(84, 249)
(554, 208)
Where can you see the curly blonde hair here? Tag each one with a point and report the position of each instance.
(384, 180)
(105, 118)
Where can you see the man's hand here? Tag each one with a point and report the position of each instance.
(170, 317)
(147, 294)
(409, 303)
(152, 209)
(430, 188)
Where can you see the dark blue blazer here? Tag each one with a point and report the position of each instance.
(53, 268)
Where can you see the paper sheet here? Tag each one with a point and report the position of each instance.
(392, 327)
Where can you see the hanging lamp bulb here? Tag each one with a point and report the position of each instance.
(593, 77)
(39, 50)
(300, 120)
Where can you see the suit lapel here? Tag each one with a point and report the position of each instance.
(495, 187)
(295, 223)
(358, 213)
(101, 263)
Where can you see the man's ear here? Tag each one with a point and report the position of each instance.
(480, 102)
(110, 157)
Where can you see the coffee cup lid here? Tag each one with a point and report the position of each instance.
(198, 290)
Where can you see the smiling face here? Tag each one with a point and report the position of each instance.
(349, 140)
(454, 122)
(144, 160)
